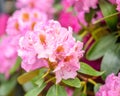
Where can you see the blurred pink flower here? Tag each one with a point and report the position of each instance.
(85, 5)
(8, 54)
(118, 5)
(97, 16)
(68, 19)
(42, 5)
(55, 45)
(112, 1)
(3, 22)
(69, 91)
(27, 20)
(111, 86)
(67, 4)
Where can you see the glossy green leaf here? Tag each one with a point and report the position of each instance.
(73, 82)
(36, 90)
(99, 48)
(56, 90)
(86, 69)
(109, 9)
(7, 86)
(96, 87)
(111, 61)
(27, 76)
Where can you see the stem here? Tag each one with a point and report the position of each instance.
(82, 77)
(48, 71)
(88, 42)
(106, 17)
(92, 81)
(83, 34)
(50, 79)
(85, 88)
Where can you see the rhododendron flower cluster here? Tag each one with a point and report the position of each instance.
(23, 20)
(42, 5)
(53, 46)
(111, 86)
(8, 54)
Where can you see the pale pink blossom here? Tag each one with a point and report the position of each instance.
(111, 86)
(23, 20)
(56, 46)
(8, 54)
(45, 6)
(28, 54)
(118, 5)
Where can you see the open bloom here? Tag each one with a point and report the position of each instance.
(54, 47)
(8, 54)
(111, 86)
(27, 20)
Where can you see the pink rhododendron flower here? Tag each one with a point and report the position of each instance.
(3, 21)
(67, 4)
(27, 20)
(68, 19)
(112, 1)
(111, 86)
(118, 5)
(8, 54)
(85, 5)
(55, 47)
(81, 18)
(42, 5)
(28, 54)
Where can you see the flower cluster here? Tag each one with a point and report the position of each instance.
(23, 20)
(111, 86)
(53, 46)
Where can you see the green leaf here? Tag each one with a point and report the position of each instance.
(8, 86)
(89, 16)
(27, 76)
(16, 66)
(73, 82)
(109, 9)
(56, 90)
(96, 87)
(86, 69)
(36, 91)
(99, 48)
(39, 82)
(111, 61)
